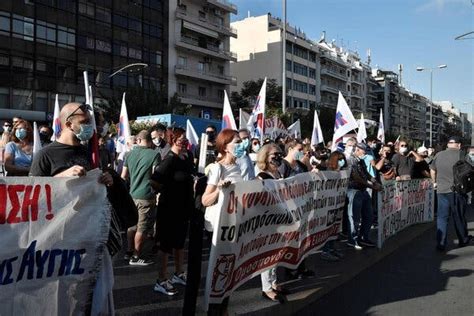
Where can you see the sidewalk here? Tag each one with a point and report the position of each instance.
(133, 291)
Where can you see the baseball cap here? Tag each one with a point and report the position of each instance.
(421, 149)
(454, 139)
(362, 146)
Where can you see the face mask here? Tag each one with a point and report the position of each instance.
(403, 150)
(349, 149)
(85, 133)
(363, 156)
(157, 141)
(43, 136)
(211, 136)
(256, 148)
(276, 161)
(239, 150)
(373, 146)
(20, 133)
(246, 143)
(299, 155)
(341, 163)
(7, 129)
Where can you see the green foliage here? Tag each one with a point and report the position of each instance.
(136, 127)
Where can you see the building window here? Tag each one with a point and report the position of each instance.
(220, 69)
(182, 88)
(22, 99)
(288, 65)
(23, 27)
(201, 66)
(300, 69)
(4, 23)
(288, 83)
(202, 91)
(300, 86)
(312, 89)
(202, 15)
(182, 61)
(312, 57)
(312, 73)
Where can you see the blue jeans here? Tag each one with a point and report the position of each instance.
(454, 204)
(359, 212)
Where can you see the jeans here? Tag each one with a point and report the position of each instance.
(456, 205)
(359, 212)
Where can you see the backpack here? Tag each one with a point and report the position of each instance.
(463, 175)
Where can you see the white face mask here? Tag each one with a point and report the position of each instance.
(349, 149)
(403, 150)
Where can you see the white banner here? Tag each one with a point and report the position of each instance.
(267, 223)
(53, 233)
(402, 204)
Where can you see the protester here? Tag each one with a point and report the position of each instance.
(174, 180)
(450, 202)
(349, 148)
(130, 143)
(245, 163)
(360, 206)
(105, 159)
(66, 157)
(431, 154)
(139, 167)
(45, 133)
(421, 168)
(385, 165)
(254, 149)
(404, 161)
(291, 164)
(18, 152)
(269, 160)
(211, 147)
(306, 160)
(470, 155)
(158, 136)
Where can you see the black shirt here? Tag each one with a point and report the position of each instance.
(419, 167)
(403, 165)
(57, 157)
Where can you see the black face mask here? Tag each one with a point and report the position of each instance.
(211, 136)
(43, 136)
(277, 160)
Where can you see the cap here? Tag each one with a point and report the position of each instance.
(362, 146)
(454, 139)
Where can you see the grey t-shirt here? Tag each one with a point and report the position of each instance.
(443, 164)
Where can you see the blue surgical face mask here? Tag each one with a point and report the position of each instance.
(239, 150)
(299, 155)
(85, 132)
(341, 163)
(246, 143)
(256, 148)
(21, 133)
(363, 156)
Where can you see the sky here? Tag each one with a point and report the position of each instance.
(414, 33)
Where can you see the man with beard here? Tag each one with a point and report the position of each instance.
(158, 137)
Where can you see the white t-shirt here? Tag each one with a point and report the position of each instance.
(219, 172)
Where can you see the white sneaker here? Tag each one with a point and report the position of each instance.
(179, 279)
(136, 261)
(165, 287)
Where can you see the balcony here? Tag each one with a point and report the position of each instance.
(356, 80)
(327, 88)
(181, 70)
(334, 74)
(206, 22)
(199, 100)
(328, 56)
(224, 5)
(357, 95)
(205, 49)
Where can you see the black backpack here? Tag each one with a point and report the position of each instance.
(463, 174)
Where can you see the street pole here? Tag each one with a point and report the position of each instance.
(283, 63)
(472, 125)
(431, 108)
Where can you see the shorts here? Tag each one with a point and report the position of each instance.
(146, 215)
(171, 229)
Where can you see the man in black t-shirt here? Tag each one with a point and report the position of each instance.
(66, 157)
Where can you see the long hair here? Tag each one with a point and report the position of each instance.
(29, 131)
(263, 154)
(225, 137)
(175, 134)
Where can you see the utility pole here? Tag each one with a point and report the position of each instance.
(283, 62)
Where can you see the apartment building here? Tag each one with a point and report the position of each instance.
(199, 54)
(46, 45)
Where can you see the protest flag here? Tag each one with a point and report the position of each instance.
(93, 142)
(397, 142)
(228, 120)
(124, 126)
(295, 129)
(362, 132)
(317, 135)
(344, 123)
(243, 119)
(256, 122)
(36, 139)
(381, 131)
(56, 120)
(191, 135)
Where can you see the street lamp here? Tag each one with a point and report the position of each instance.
(431, 96)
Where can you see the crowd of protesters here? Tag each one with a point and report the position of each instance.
(159, 168)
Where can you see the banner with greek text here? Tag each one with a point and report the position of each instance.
(53, 233)
(263, 224)
(402, 204)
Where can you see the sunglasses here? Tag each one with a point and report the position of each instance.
(403, 145)
(83, 107)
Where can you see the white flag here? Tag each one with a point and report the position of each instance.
(256, 122)
(36, 139)
(228, 120)
(362, 132)
(317, 136)
(124, 127)
(56, 120)
(381, 131)
(344, 123)
(191, 134)
(295, 129)
(243, 118)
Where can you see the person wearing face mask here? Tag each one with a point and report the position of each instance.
(66, 157)
(292, 164)
(130, 143)
(243, 159)
(404, 161)
(158, 136)
(360, 205)
(269, 160)
(385, 165)
(421, 168)
(470, 156)
(349, 148)
(211, 147)
(45, 133)
(138, 168)
(255, 147)
(173, 178)
(18, 152)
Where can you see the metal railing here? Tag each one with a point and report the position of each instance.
(200, 97)
(227, 3)
(206, 73)
(180, 12)
(208, 46)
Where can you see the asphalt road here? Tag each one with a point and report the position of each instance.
(414, 280)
